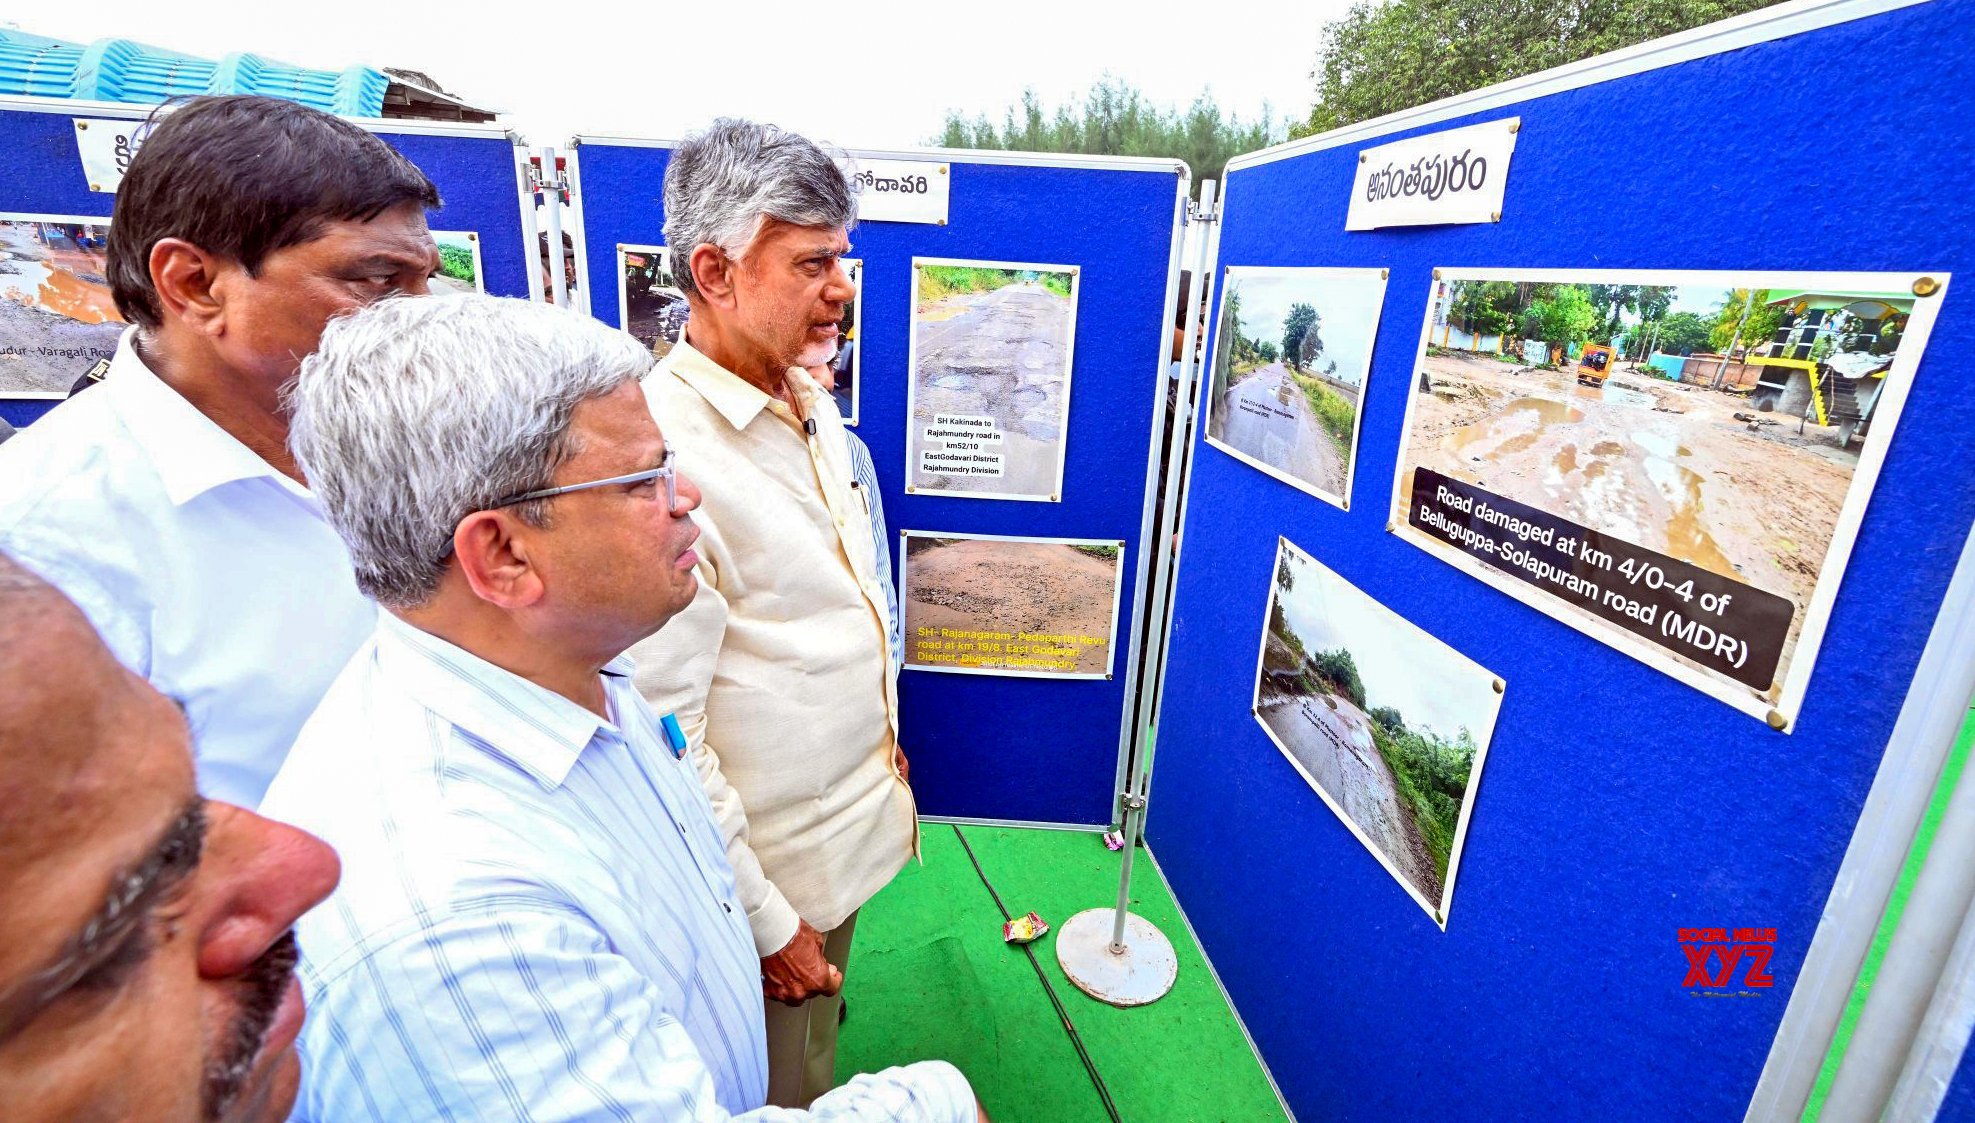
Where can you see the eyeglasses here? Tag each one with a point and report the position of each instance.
(665, 471)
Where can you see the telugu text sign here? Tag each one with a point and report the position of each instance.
(900, 190)
(106, 148)
(1455, 176)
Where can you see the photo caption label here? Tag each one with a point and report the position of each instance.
(968, 446)
(1722, 624)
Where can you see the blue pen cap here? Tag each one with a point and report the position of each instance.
(675, 737)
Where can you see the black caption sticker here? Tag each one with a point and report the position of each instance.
(1720, 623)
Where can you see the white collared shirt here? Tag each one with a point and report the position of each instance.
(779, 670)
(205, 570)
(536, 919)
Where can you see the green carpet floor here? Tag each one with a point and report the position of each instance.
(931, 978)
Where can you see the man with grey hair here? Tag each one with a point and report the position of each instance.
(537, 918)
(780, 671)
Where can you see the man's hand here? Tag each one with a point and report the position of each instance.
(898, 761)
(799, 971)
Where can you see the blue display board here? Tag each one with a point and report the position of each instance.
(473, 167)
(1617, 805)
(989, 747)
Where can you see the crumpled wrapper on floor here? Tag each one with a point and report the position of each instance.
(1024, 929)
(1114, 840)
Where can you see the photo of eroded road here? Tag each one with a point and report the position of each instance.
(57, 318)
(1010, 605)
(990, 379)
(1386, 722)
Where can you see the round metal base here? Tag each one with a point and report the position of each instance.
(1143, 972)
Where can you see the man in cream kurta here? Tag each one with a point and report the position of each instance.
(780, 669)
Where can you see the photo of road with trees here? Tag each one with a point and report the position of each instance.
(1387, 723)
(1289, 367)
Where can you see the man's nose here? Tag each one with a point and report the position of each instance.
(688, 496)
(840, 290)
(256, 881)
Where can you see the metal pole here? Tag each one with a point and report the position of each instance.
(552, 207)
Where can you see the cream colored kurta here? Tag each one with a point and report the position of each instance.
(779, 669)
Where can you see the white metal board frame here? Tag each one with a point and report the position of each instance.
(1341, 500)
(1858, 491)
(1134, 724)
(912, 377)
(1117, 595)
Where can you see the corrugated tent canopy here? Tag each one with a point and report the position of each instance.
(124, 70)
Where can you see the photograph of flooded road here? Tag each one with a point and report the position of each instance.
(987, 604)
(57, 319)
(1290, 358)
(1716, 419)
(989, 391)
(1388, 724)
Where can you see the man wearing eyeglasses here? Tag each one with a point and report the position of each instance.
(537, 920)
(779, 671)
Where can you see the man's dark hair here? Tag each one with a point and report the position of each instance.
(242, 177)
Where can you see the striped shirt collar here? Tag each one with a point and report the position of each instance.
(536, 728)
(731, 396)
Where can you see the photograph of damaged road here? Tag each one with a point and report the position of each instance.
(1669, 456)
(990, 380)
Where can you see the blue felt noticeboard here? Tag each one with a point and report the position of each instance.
(1617, 805)
(991, 747)
(473, 167)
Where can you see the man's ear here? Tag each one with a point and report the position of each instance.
(186, 278)
(492, 553)
(713, 274)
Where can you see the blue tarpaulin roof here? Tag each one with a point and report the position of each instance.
(128, 71)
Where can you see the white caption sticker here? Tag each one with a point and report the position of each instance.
(1455, 176)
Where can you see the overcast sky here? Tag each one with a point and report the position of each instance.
(1430, 684)
(1347, 311)
(863, 73)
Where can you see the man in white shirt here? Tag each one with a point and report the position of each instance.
(537, 920)
(779, 672)
(164, 502)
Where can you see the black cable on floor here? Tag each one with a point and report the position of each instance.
(1090, 1066)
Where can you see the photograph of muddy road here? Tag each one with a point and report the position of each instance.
(56, 315)
(1290, 360)
(1388, 724)
(991, 605)
(990, 381)
(1717, 425)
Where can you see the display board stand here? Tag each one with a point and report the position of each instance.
(1620, 805)
(988, 748)
(472, 165)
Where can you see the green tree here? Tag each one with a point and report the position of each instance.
(1302, 319)
(1115, 119)
(1381, 57)
(1482, 307)
(1682, 333)
(1340, 671)
(1266, 351)
(1757, 329)
(1565, 318)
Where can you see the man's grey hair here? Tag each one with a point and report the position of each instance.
(417, 411)
(723, 184)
